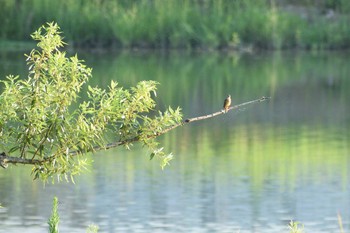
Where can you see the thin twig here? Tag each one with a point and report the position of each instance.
(223, 112)
(5, 159)
(340, 222)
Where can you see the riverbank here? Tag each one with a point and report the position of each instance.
(203, 24)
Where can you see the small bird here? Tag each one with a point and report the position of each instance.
(227, 103)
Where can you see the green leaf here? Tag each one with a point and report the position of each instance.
(13, 149)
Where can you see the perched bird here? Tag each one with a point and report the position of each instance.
(227, 103)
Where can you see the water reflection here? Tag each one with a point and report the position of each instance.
(249, 171)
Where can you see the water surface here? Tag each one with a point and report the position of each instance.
(252, 170)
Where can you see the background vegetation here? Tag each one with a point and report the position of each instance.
(270, 24)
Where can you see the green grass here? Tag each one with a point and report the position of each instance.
(213, 24)
(295, 227)
(55, 218)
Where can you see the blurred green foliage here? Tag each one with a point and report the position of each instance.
(185, 24)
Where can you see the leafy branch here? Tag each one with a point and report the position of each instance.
(43, 123)
(4, 159)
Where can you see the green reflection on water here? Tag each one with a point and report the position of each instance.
(201, 81)
(262, 153)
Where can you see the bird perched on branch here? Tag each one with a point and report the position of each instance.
(227, 103)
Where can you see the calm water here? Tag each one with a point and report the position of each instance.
(252, 170)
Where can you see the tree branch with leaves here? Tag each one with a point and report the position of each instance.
(43, 123)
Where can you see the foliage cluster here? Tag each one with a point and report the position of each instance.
(186, 24)
(43, 121)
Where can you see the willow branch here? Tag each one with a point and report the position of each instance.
(6, 159)
(187, 121)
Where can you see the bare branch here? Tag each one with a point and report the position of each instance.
(5, 159)
(223, 112)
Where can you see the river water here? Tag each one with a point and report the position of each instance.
(251, 170)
